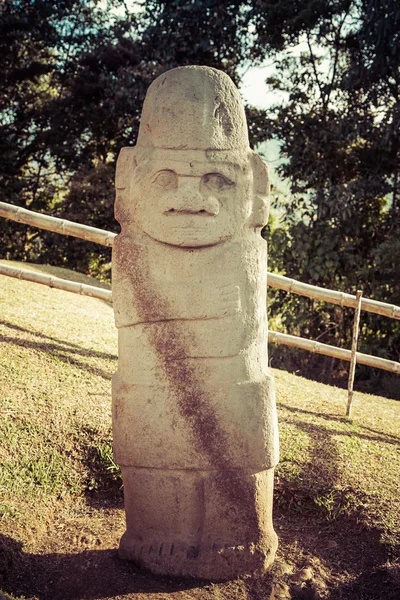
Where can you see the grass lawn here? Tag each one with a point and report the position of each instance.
(337, 501)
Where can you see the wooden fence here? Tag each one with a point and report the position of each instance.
(57, 283)
(106, 238)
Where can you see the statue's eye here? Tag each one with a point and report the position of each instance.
(165, 179)
(217, 182)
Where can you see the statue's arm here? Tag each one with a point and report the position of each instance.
(173, 301)
(201, 300)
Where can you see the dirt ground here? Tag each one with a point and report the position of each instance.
(78, 560)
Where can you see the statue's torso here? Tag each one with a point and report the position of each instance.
(192, 329)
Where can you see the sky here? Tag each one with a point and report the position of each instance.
(254, 90)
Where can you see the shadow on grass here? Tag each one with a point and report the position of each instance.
(65, 354)
(101, 574)
(78, 347)
(298, 492)
(65, 343)
(57, 340)
(386, 438)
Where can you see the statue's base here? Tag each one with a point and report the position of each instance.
(215, 562)
(207, 525)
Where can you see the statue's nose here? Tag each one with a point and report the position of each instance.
(190, 200)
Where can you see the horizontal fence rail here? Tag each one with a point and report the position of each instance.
(319, 293)
(84, 232)
(56, 282)
(106, 238)
(334, 351)
(273, 336)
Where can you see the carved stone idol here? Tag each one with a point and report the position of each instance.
(194, 418)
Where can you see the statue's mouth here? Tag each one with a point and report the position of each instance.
(189, 213)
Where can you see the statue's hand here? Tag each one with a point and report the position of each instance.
(226, 299)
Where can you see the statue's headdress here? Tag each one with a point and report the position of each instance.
(193, 108)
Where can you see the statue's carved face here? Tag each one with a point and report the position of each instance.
(183, 199)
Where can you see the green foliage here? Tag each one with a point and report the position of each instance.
(107, 472)
(39, 42)
(338, 131)
(93, 70)
(337, 503)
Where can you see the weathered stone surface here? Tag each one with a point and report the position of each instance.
(194, 416)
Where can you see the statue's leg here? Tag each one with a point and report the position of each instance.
(209, 524)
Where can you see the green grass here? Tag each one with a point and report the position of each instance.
(343, 467)
(56, 365)
(58, 478)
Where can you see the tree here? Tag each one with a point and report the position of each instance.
(39, 40)
(339, 131)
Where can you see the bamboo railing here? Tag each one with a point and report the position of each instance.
(84, 232)
(334, 351)
(106, 238)
(56, 282)
(313, 291)
(273, 336)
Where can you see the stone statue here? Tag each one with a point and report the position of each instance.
(194, 418)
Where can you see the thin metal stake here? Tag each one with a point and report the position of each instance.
(353, 360)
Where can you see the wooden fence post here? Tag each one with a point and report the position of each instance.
(354, 352)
